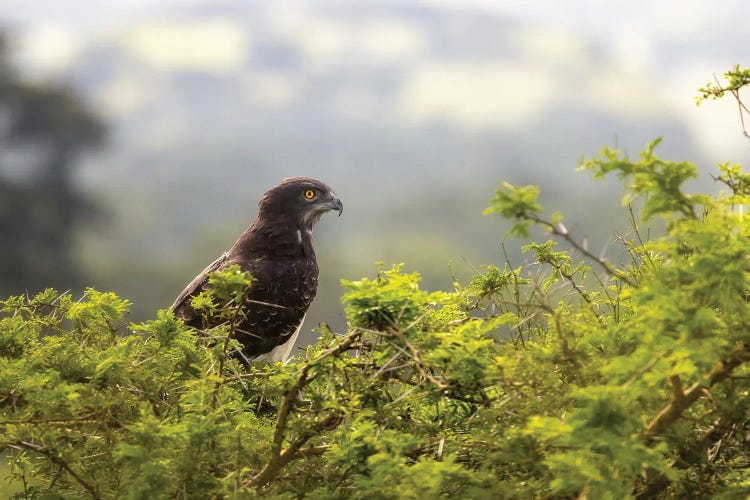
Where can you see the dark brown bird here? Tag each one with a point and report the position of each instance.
(277, 249)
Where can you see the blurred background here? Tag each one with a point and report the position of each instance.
(136, 136)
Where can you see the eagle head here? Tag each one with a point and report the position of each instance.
(302, 198)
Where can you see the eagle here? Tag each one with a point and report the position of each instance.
(277, 250)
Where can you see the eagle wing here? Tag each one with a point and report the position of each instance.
(181, 305)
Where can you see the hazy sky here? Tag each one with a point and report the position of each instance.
(661, 51)
(411, 110)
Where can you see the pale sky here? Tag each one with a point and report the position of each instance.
(662, 51)
(216, 100)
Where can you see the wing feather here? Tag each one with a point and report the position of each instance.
(181, 305)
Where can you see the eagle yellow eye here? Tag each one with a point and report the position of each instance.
(309, 194)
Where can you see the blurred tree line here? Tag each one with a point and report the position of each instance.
(44, 130)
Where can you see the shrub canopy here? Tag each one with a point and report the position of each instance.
(567, 377)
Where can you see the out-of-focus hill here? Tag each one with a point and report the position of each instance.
(412, 111)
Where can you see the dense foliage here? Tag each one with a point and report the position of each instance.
(567, 377)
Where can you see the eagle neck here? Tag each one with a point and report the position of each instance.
(276, 239)
(305, 237)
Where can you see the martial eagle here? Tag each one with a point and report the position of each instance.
(277, 249)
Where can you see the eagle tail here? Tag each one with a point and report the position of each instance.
(283, 352)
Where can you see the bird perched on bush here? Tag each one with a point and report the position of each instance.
(277, 249)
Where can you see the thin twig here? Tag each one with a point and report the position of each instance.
(418, 362)
(55, 459)
(561, 231)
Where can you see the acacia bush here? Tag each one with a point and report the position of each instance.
(570, 376)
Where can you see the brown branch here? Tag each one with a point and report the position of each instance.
(638, 373)
(579, 289)
(414, 353)
(686, 457)
(677, 392)
(560, 230)
(55, 459)
(286, 405)
(293, 452)
(280, 458)
(302, 380)
(718, 91)
(735, 91)
(682, 400)
(69, 421)
(313, 451)
(236, 310)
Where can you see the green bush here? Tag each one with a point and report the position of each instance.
(568, 377)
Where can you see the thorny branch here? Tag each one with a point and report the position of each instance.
(561, 231)
(683, 399)
(294, 450)
(735, 91)
(55, 459)
(414, 354)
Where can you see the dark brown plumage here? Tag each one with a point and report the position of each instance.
(277, 249)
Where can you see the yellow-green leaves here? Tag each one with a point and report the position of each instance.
(391, 300)
(658, 181)
(567, 376)
(736, 78)
(518, 203)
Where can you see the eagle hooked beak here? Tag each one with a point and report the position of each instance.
(335, 204)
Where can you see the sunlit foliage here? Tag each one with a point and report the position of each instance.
(570, 376)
